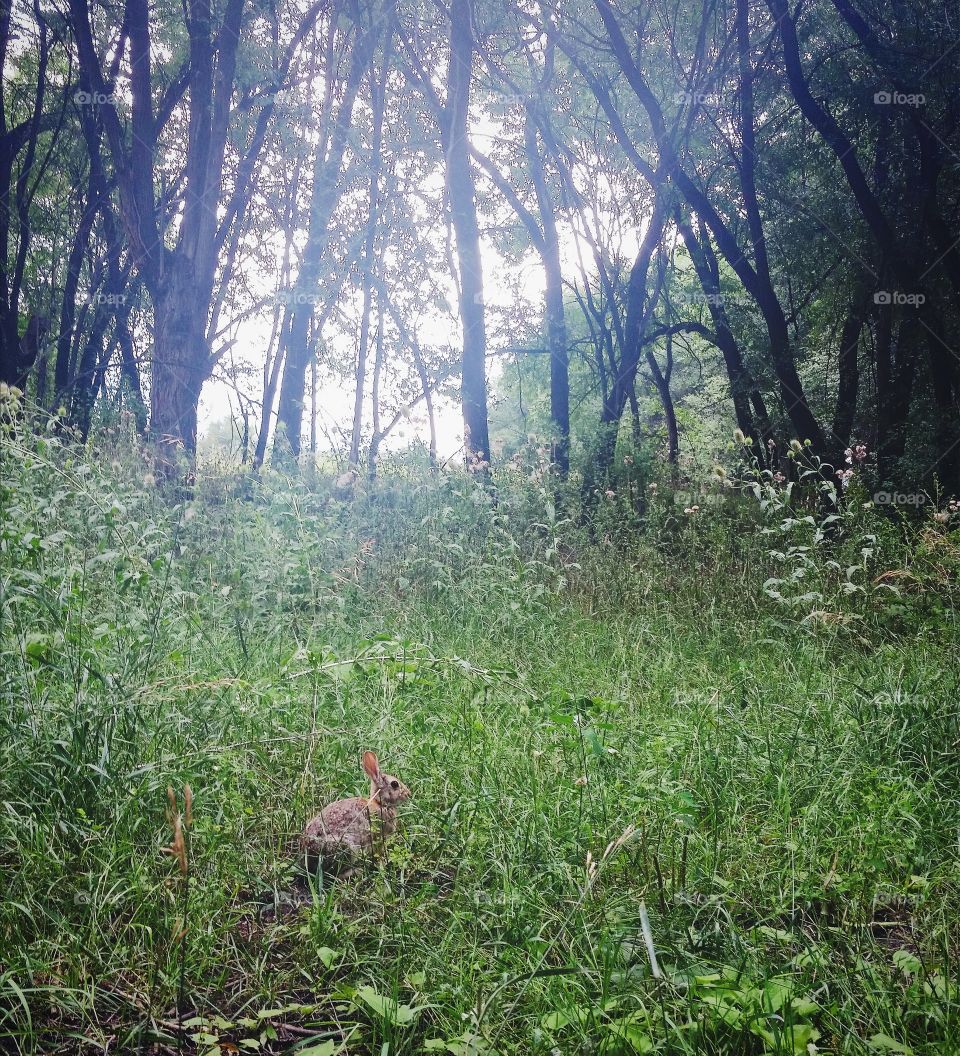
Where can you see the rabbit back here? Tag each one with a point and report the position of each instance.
(340, 828)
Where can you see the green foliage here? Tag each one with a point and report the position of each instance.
(598, 708)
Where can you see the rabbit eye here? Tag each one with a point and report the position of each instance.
(394, 784)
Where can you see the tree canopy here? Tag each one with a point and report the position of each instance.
(627, 205)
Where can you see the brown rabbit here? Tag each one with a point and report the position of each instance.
(343, 829)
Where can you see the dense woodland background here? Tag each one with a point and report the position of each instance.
(744, 210)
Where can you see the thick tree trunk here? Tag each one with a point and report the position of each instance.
(130, 372)
(181, 361)
(180, 280)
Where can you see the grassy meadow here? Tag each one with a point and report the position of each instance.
(683, 782)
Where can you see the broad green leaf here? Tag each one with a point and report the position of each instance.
(884, 1043)
(386, 1007)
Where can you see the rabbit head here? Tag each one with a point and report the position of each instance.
(386, 791)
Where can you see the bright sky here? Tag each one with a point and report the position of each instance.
(335, 395)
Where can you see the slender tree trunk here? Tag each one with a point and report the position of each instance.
(661, 382)
(463, 211)
(638, 312)
(271, 376)
(313, 407)
(328, 164)
(68, 304)
(18, 352)
(896, 373)
(752, 423)
(378, 90)
(758, 285)
(555, 322)
(766, 296)
(848, 365)
(377, 436)
(427, 399)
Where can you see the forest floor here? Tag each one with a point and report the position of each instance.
(655, 808)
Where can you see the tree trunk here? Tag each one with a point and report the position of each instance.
(328, 162)
(742, 385)
(18, 352)
(378, 90)
(180, 362)
(377, 436)
(638, 312)
(661, 382)
(758, 285)
(556, 326)
(896, 373)
(463, 211)
(849, 366)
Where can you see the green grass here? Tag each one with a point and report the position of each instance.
(779, 795)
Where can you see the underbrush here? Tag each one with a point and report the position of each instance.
(685, 780)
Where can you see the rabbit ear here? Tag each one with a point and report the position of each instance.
(371, 765)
